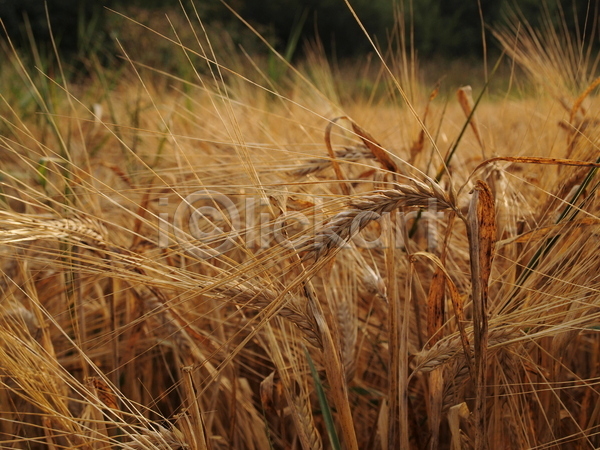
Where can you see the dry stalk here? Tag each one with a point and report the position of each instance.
(417, 146)
(465, 98)
(334, 163)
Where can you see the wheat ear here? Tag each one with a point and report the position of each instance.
(363, 210)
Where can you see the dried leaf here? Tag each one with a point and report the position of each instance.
(271, 393)
(295, 203)
(103, 392)
(378, 152)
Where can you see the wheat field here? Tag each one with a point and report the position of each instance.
(228, 260)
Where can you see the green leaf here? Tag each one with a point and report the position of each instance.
(327, 416)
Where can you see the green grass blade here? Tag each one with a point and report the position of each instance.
(327, 416)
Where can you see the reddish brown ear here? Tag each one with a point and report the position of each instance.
(481, 228)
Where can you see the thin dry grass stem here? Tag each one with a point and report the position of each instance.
(394, 80)
(405, 415)
(550, 57)
(509, 382)
(551, 231)
(41, 390)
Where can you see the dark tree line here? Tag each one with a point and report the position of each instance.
(447, 28)
(73, 22)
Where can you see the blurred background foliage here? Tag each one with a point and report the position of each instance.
(446, 29)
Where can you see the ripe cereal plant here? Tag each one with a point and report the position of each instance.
(178, 254)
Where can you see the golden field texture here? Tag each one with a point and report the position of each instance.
(226, 260)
